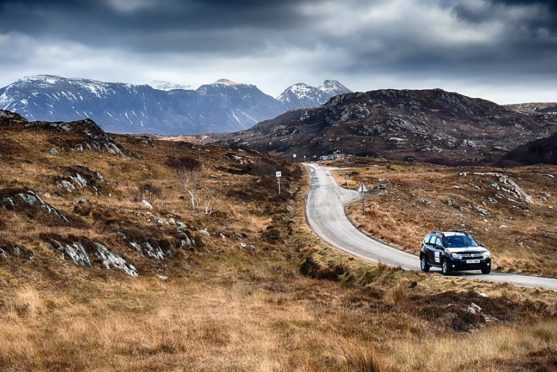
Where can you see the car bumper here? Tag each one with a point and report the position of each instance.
(463, 265)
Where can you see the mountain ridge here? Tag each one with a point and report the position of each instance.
(161, 108)
(428, 125)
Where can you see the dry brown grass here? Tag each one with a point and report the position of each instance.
(224, 306)
(494, 349)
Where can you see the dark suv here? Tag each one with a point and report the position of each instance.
(453, 251)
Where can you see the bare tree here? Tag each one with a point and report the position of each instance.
(187, 170)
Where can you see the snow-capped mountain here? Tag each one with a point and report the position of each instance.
(127, 108)
(301, 95)
(157, 107)
(333, 88)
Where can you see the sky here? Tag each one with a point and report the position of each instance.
(502, 50)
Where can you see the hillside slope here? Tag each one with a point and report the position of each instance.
(543, 150)
(432, 125)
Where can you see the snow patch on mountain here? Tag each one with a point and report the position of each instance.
(302, 95)
(167, 86)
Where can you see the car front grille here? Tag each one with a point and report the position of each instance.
(471, 255)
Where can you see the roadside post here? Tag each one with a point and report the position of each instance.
(362, 190)
(293, 158)
(279, 175)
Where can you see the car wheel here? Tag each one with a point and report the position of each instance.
(445, 269)
(424, 266)
(486, 270)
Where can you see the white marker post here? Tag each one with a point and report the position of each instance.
(362, 190)
(293, 158)
(279, 175)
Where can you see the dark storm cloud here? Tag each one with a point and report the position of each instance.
(495, 41)
(150, 25)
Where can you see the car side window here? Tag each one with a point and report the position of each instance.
(438, 242)
(431, 239)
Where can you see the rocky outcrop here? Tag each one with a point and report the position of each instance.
(85, 252)
(79, 136)
(93, 137)
(157, 247)
(8, 250)
(27, 201)
(506, 185)
(9, 118)
(79, 178)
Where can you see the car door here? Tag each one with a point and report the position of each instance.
(436, 251)
(430, 248)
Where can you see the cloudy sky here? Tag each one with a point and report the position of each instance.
(502, 50)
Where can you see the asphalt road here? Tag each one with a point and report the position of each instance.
(325, 215)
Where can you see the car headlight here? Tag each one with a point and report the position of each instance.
(456, 256)
(487, 255)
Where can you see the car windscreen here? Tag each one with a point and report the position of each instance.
(459, 241)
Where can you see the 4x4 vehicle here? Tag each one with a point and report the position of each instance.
(453, 251)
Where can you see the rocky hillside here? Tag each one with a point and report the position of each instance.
(158, 108)
(431, 125)
(73, 196)
(301, 95)
(543, 150)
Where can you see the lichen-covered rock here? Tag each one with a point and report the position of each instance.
(111, 259)
(508, 186)
(26, 200)
(85, 252)
(73, 250)
(154, 246)
(78, 178)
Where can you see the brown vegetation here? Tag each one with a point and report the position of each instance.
(252, 290)
(406, 201)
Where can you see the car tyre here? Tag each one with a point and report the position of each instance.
(445, 269)
(486, 270)
(424, 266)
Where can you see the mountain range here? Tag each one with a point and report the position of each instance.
(161, 107)
(428, 125)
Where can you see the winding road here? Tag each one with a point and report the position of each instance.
(326, 217)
